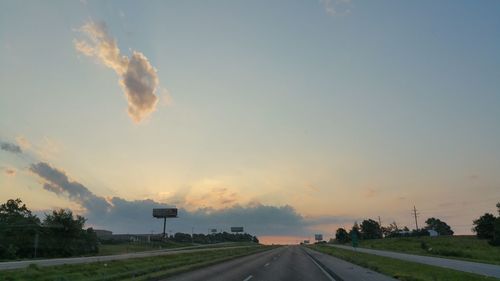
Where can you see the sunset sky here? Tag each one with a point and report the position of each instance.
(286, 117)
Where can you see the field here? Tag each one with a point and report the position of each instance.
(401, 270)
(458, 247)
(153, 268)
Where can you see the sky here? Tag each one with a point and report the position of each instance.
(286, 117)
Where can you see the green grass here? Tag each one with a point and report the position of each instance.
(402, 270)
(123, 248)
(458, 247)
(153, 268)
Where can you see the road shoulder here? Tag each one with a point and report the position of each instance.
(343, 270)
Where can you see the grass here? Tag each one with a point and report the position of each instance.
(458, 247)
(153, 268)
(401, 270)
(123, 248)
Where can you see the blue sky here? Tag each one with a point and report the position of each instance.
(356, 113)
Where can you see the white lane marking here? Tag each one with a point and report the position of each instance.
(267, 264)
(322, 270)
(248, 278)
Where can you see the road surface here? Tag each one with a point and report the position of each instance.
(467, 266)
(61, 261)
(291, 263)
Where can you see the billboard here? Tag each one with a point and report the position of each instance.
(213, 230)
(318, 237)
(165, 213)
(237, 229)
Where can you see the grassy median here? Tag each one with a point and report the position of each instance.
(458, 247)
(401, 270)
(153, 268)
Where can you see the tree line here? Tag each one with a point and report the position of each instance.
(213, 238)
(486, 227)
(59, 234)
(371, 229)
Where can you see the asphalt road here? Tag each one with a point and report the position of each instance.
(466, 266)
(79, 260)
(291, 263)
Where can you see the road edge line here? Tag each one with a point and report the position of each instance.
(324, 268)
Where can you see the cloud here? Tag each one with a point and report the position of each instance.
(135, 216)
(334, 7)
(138, 77)
(11, 147)
(57, 182)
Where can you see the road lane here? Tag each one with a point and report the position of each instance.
(79, 260)
(466, 266)
(289, 263)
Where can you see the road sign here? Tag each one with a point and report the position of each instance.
(318, 237)
(165, 213)
(237, 229)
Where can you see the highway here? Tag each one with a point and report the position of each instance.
(79, 260)
(466, 266)
(290, 263)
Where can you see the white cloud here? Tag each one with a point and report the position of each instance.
(138, 77)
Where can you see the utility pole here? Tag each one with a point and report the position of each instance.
(415, 214)
(164, 225)
(380, 227)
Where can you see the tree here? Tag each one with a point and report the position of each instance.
(439, 226)
(18, 227)
(182, 237)
(63, 235)
(390, 231)
(484, 226)
(355, 230)
(341, 236)
(370, 229)
(495, 241)
(255, 239)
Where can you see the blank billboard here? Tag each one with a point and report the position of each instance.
(165, 213)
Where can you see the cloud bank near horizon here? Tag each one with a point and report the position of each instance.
(135, 216)
(138, 77)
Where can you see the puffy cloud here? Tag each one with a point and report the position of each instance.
(138, 77)
(10, 147)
